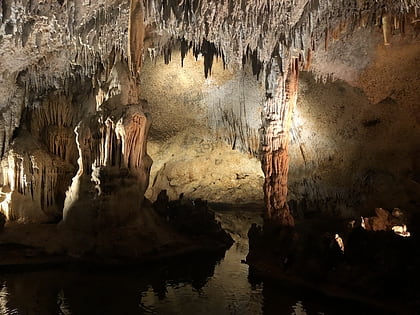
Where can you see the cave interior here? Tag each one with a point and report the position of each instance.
(125, 124)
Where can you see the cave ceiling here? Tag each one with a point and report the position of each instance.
(49, 41)
(54, 45)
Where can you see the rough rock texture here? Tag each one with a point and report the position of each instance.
(113, 172)
(70, 103)
(201, 131)
(194, 164)
(229, 103)
(47, 45)
(344, 144)
(277, 112)
(350, 151)
(64, 45)
(293, 36)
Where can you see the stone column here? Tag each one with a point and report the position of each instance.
(277, 115)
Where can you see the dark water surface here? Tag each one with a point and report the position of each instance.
(201, 284)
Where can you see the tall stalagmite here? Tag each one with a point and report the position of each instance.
(278, 110)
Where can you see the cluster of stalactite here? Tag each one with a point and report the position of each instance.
(83, 42)
(52, 123)
(233, 128)
(262, 29)
(84, 32)
(117, 140)
(59, 45)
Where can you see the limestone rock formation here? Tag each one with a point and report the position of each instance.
(113, 172)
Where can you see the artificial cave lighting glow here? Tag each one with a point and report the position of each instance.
(363, 224)
(401, 230)
(340, 242)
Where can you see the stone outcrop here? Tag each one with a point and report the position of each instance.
(384, 220)
(34, 182)
(191, 218)
(37, 169)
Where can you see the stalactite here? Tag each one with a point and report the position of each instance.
(261, 26)
(51, 123)
(386, 27)
(185, 47)
(136, 31)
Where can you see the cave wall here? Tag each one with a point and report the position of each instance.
(354, 138)
(355, 142)
(65, 69)
(204, 137)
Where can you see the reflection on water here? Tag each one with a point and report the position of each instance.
(202, 284)
(226, 292)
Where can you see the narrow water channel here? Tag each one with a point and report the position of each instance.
(200, 284)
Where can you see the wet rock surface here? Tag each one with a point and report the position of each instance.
(376, 267)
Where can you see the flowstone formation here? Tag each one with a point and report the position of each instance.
(39, 165)
(113, 171)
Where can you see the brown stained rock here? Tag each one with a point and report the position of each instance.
(275, 160)
(381, 221)
(384, 220)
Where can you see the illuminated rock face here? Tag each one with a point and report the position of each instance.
(37, 169)
(33, 183)
(113, 172)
